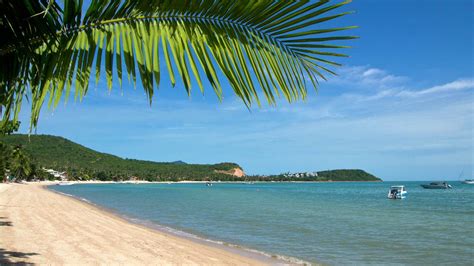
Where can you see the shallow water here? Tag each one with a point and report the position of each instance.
(331, 223)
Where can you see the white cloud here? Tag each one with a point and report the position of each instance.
(373, 72)
(362, 76)
(380, 84)
(461, 84)
(371, 97)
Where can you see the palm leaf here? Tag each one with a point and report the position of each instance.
(267, 47)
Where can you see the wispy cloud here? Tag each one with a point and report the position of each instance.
(366, 76)
(375, 84)
(457, 85)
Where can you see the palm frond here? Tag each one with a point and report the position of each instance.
(23, 24)
(268, 47)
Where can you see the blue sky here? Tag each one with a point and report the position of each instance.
(401, 107)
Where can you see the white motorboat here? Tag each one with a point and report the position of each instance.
(397, 192)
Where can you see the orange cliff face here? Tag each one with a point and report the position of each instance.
(238, 172)
(235, 172)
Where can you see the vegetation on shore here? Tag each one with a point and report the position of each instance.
(16, 163)
(26, 156)
(82, 163)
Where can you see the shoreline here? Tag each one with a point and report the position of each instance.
(47, 183)
(270, 258)
(43, 226)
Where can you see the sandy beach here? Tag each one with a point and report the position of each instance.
(40, 226)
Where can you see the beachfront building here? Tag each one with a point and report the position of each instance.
(60, 175)
(301, 175)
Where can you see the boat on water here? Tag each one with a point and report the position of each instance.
(465, 181)
(208, 184)
(437, 185)
(397, 192)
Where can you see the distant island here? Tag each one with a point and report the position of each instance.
(321, 176)
(53, 157)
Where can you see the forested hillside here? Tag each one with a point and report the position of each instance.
(80, 162)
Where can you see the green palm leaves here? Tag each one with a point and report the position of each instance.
(263, 48)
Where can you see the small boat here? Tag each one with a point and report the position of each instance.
(208, 184)
(397, 192)
(466, 181)
(437, 185)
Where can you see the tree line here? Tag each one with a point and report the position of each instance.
(80, 163)
(17, 165)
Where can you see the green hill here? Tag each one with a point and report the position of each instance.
(80, 162)
(339, 175)
(346, 175)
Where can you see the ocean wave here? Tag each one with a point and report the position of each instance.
(74, 197)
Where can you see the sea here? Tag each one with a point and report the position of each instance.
(337, 223)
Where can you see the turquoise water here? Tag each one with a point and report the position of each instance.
(331, 223)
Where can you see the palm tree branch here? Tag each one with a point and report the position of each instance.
(251, 42)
